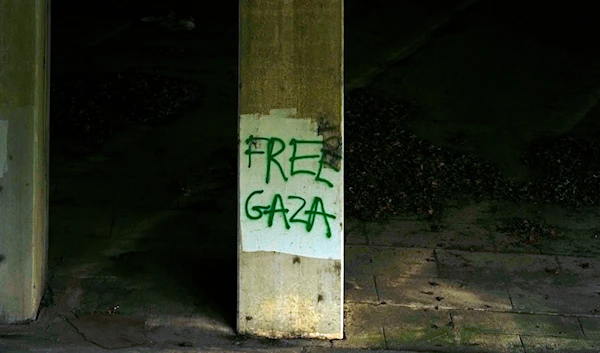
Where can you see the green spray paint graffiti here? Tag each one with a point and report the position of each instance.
(275, 147)
(271, 150)
(317, 209)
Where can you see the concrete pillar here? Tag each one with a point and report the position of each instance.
(290, 246)
(24, 77)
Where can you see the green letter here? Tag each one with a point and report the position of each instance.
(254, 208)
(293, 158)
(272, 210)
(313, 213)
(271, 157)
(251, 141)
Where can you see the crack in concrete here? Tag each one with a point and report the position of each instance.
(580, 326)
(82, 335)
(376, 289)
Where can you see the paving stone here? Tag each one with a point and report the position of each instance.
(360, 290)
(363, 327)
(196, 322)
(555, 344)
(346, 350)
(358, 260)
(417, 329)
(591, 326)
(471, 341)
(440, 293)
(394, 232)
(584, 242)
(470, 237)
(487, 322)
(355, 232)
(468, 212)
(496, 268)
(410, 234)
(555, 299)
(358, 274)
(506, 243)
(404, 262)
(583, 271)
(570, 218)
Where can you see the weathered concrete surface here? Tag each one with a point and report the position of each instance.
(296, 295)
(291, 58)
(384, 33)
(503, 78)
(173, 329)
(24, 78)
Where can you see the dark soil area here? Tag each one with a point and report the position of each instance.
(87, 109)
(390, 170)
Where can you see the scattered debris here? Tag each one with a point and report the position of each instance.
(389, 170)
(527, 232)
(86, 109)
(113, 309)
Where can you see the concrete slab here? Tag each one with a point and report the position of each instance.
(580, 218)
(565, 300)
(349, 350)
(394, 232)
(585, 271)
(360, 290)
(469, 237)
(496, 268)
(497, 212)
(111, 331)
(408, 234)
(555, 344)
(507, 243)
(419, 330)
(355, 232)
(583, 242)
(436, 293)
(591, 327)
(363, 327)
(486, 322)
(470, 341)
(468, 212)
(358, 277)
(404, 262)
(358, 260)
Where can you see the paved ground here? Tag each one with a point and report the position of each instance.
(142, 252)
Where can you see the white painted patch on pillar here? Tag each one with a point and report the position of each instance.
(3, 147)
(290, 198)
